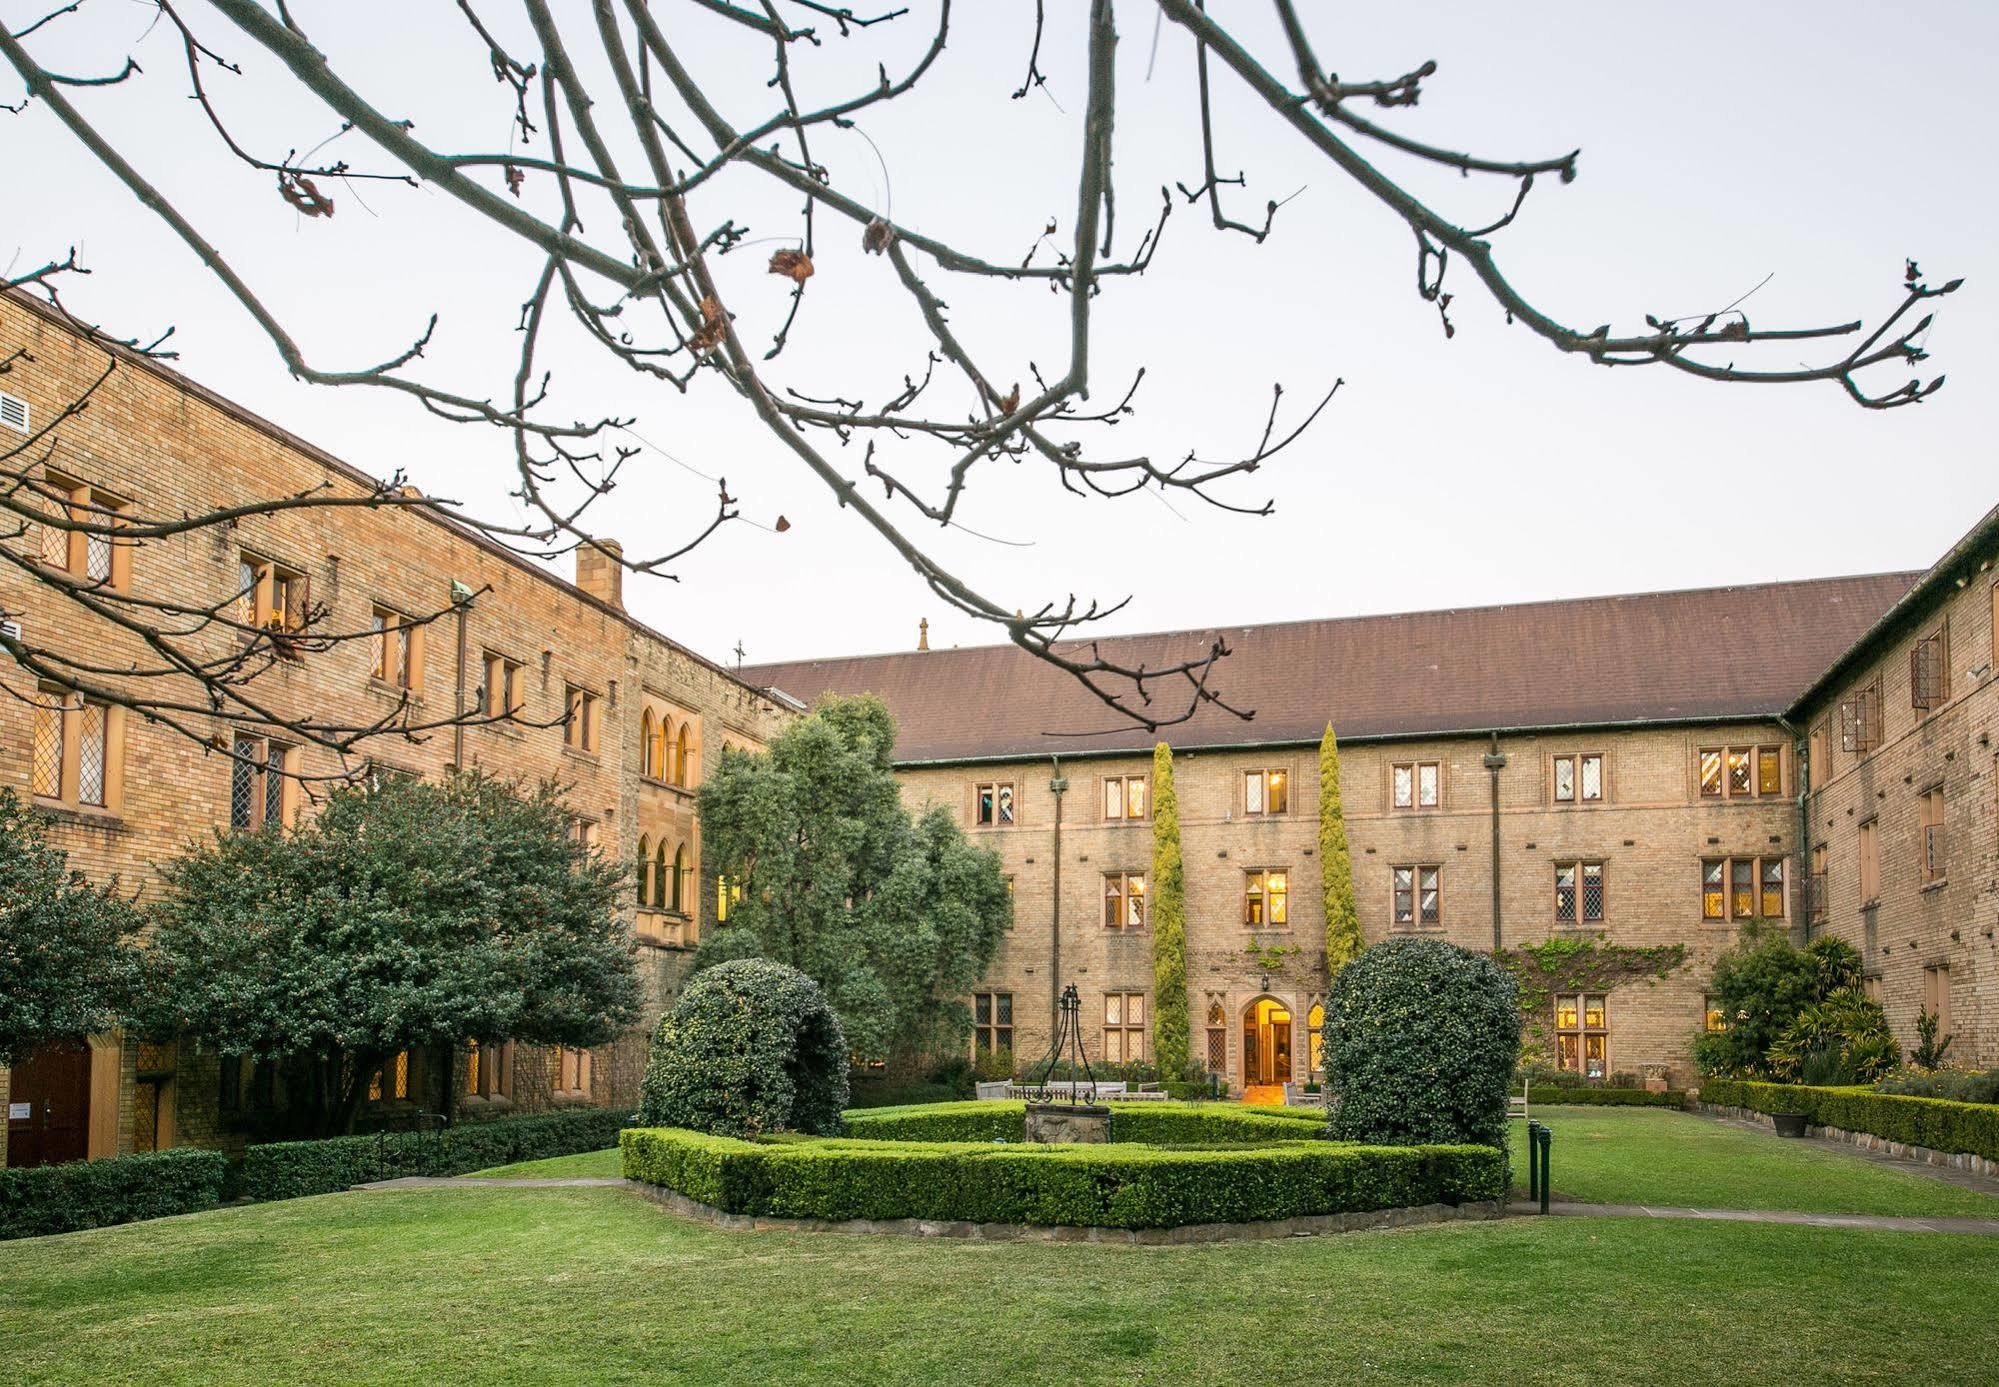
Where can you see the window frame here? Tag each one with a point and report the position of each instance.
(1420, 915)
(1124, 1027)
(989, 1031)
(1272, 797)
(1258, 891)
(1867, 860)
(1415, 769)
(1583, 1031)
(62, 719)
(1001, 811)
(503, 701)
(1932, 838)
(398, 642)
(82, 503)
(261, 782)
(1860, 719)
(1929, 670)
(1744, 875)
(582, 719)
(1124, 786)
(1577, 764)
(1579, 916)
(1750, 756)
(257, 605)
(1119, 887)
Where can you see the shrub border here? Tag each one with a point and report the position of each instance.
(1005, 1120)
(37, 1201)
(962, 1186)
(1555, 1095)
(1941, 1125)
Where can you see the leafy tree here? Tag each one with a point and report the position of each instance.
(67, 965)
(1169, 922)
(1762, 987)
(751, 1048)
(1344, 940)
(895, 918)
(1841, 1039)
(1421, 1041)
(407, 915)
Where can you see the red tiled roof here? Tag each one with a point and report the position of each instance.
(1715, 654)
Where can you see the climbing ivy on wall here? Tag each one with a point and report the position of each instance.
(1573, 964)
(1169, 922)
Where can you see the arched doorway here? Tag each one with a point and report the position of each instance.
(1266, 1043)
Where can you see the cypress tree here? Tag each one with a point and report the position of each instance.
(1169, 922)
(1343, 938)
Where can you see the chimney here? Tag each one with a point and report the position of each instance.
(923, 634)
(599, 572)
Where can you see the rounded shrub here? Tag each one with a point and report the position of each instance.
(1421, 1040)
(751, 1048)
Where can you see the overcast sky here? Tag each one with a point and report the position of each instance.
(1813, 143)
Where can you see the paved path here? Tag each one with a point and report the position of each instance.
(1876, 1222)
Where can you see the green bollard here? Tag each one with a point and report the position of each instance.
(1547, 1145)
(1533, 1160)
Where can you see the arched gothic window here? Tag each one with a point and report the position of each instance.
(660, 886)
(645, 744)
(680, 878)
(680, 748)
(645, 872)
(1315, 1035)
(1218, 1039)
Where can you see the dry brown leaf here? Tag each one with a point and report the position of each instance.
(515, 177)
(299, 191)
(876, 238)
(1010, 401)
(714, 323)
(795, 263)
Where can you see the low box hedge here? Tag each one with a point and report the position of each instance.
(1005, 1120)
(1121, 1185)
(1552, 1096)
(290, 1169)
(118, 1189)
(1937, 1123)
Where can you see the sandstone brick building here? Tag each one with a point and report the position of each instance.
(1632, 770)
(648, 718)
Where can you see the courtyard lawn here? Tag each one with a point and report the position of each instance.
(598, 1285)
(1655, 1156)
(587, 1165)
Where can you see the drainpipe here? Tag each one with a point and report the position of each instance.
(1058, 786)
(1495, 762)
(1800, 748)
(461, 597)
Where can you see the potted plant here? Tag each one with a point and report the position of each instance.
(1788, 1124)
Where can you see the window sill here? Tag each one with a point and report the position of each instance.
(486, 1103)
(570, 1098)
(579, 754)
(398, 692)
(1930, 886)
(87, 815)
(654, 782)
(1872, 903)
(504, 727)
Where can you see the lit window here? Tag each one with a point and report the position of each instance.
(1711, 1015)
(1124, 1027)
(271, 597)
(727, 892)
(1125, 796)
(992, 1021)
(1582, 1035)
(1218, 1039)
(994, 805)
(1124, 900)
(1266, 901)
(391, 1083)
(489, 1070)
(1266, 792)
(1742, 888)
(1315, 1037)
(1750, 772)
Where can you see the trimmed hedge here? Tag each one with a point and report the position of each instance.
(1553, 1096)
(1938, 1123)
(291, 1169)
(118, 1189)
(1115, 1186)
(1005, 1120)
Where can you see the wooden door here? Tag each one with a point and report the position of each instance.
(48, 1106)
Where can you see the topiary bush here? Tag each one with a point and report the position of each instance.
(1421, 1040)
(752, 1048)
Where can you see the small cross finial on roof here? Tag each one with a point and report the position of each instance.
(740, 652)
(923, 634)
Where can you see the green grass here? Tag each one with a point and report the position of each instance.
(1652, 1156)
(584, 1166)
(598, 1286)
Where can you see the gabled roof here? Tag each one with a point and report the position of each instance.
(1713, 654)
(1971, 554)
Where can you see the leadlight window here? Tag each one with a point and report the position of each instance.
(398, 648)
(1218, 1039)
(271, 597)
(1579, 893)
(1742, 772)
(1416, 784)
(1125, 796)
(391, 1083)
(1582, 1035)
(645, 873)
(93, 720)
(1579, 778)
(489, 1070)
(1929, 671)
(1418, 898)
(1712, 1017)
(96, 557)
(1266, 902)
(1860, 720)
(1124, 900)
(1315, 1036)
(727, 892)
(993, 805)
(992, 1021)
(1124, 1027)
(1266, 792)
(1742, 888)
(48, 736)
(259, 776)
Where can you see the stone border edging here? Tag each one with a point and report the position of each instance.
(1866, 1141)
(1307, 1226)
